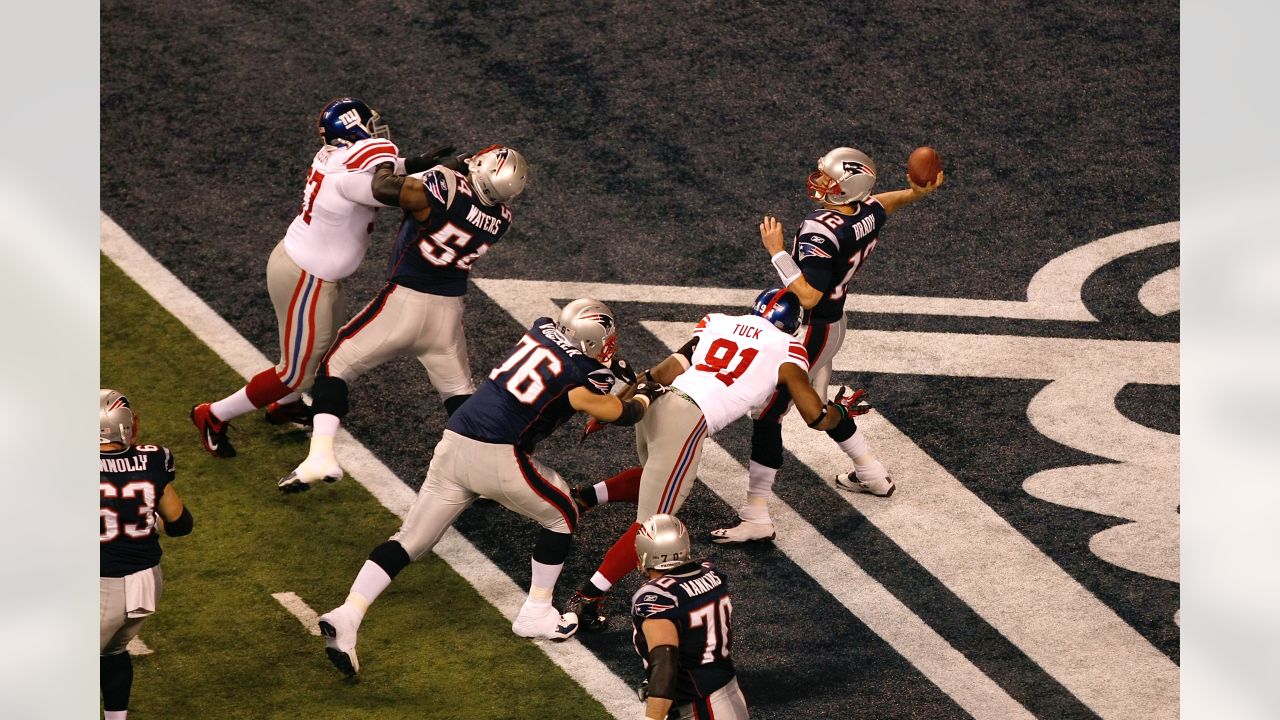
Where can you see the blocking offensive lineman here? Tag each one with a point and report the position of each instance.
(683, 629)
(555, 371)
(830, 246)
(323, 246)
(450, 220)
(134, 485)
(730, 365)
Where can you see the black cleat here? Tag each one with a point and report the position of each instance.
(297, 412)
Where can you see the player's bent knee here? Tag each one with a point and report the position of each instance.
(552, 547)
(766, 443)
(329, 395)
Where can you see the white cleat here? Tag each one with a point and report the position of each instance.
(880, 488)
(744, 531)
(545, 623)
(339, 626)
(312, 471)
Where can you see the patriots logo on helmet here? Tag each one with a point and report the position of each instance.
(502, 159)
(853, 167)
(118, 403)
(604, 320)
(812, 250)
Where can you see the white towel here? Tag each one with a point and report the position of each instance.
(140, 593)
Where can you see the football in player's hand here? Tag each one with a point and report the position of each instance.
(924, 165)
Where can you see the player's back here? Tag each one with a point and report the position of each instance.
(840, 243)
(330, 235)
(435, 256)
(526, 396)
(695, 597)
(130, 484)
(734, 367)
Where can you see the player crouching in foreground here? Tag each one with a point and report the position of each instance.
(730, 365)
(133, 480)
(555, 371)
(683, 629)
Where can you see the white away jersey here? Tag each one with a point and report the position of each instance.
(735, 365)
(331, 233)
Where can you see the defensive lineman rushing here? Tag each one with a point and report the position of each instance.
(683, 629)
(730, 365)
(323, 246)
(134, 482)
(830, 246)
(450, 220)
(555, 370)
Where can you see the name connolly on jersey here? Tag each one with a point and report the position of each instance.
(137, 463)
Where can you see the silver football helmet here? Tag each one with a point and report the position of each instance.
(498, 174)
(591, 327)
(662, 543)
(118, 423)
(844, 176)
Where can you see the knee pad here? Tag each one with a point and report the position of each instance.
(766, 443)
(329, 395)
(552, 547)
(391, 557)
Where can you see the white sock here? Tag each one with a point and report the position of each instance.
(323, 425)
(756, 510)
(369, 584)
(115, 714)
(290, 398)
(855, 446)
(601, 582)
(233, 405)
(543, 583)
(602, 492)
(760, 479)
(321, 446)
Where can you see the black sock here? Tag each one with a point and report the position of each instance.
(115, 675)
(391, 557)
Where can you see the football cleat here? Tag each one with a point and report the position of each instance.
(339, 630)
(592, 613)
(545, 623)
(213, 432)
(579, 501)
(311, 471)
(296, 412)
(744, 532)
(849, 481)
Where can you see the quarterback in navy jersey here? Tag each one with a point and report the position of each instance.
(830, 246)
(683, 620)
(451, 218)
(134, 487)
(555, 370)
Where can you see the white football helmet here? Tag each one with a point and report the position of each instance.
(117, 421)
(498, 174)
(662, 543)
(844, 176)
(591, 327)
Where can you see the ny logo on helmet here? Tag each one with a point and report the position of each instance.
(350, 118)
(853, 167)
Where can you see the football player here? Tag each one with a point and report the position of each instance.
(731, 364)
(554, 371)
(830, 246)
(450, 219)
(683, 621)
(134, 486)
(323, 246)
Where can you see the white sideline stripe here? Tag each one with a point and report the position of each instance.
(137, 647)
(301, 610)
(864, 596)
(492, 584)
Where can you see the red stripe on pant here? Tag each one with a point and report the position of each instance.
(311, 336)
(698, 429)
(288, 323)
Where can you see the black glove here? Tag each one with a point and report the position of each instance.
(438, 154)
(621, 369)
(642, 690)
(650, 390)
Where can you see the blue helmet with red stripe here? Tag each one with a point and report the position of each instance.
(345, 121)
(780, 307)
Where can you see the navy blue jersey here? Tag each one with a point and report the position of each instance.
(829, 247)
(527, 396)
(695, 597)
(130, 483)
(435, 256)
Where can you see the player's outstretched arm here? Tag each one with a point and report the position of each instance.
(609, 408)
(400, 191)
(897, 199)
(788, 270)
(663, 640)
(177, 518)
(817, 414)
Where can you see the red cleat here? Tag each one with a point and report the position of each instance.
(213, 432)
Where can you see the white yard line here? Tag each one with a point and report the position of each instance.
(299, 609)
(493, 584)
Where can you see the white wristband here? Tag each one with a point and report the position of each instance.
(786, 266)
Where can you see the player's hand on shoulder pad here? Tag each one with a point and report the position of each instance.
(850, 401)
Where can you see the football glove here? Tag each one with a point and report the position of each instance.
(593, 426)
(651, 390)
(642, 690)
(624, 373)
(851, 404)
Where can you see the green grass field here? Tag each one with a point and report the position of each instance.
(223, 647)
